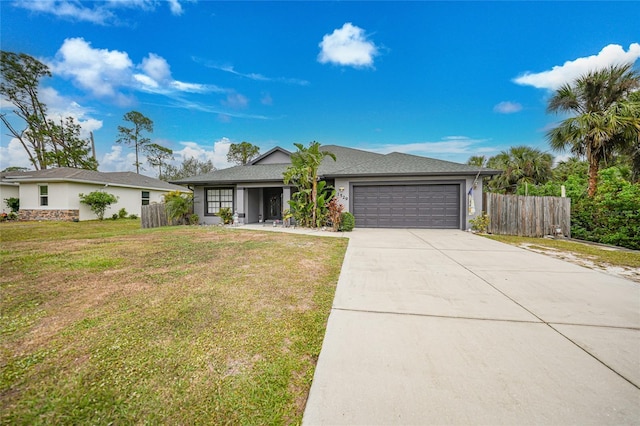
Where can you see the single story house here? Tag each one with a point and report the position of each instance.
(381, 190)
(54, 194)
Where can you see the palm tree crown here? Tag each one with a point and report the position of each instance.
(521, 164)
(604, 120)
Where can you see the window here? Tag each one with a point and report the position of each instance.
(44, 195)
(218, 198)
(145, 198)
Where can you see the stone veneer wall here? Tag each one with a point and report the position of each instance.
(63, 215)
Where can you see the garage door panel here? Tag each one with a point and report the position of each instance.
(407, 206)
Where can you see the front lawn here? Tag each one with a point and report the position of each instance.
(103, 322)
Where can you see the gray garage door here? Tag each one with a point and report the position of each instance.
(407, 206)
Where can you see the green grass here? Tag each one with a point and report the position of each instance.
(597, 254)
(103, 322)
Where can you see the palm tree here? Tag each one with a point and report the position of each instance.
(521, 164)
(604, 120)
(303, 173)
(477, 160)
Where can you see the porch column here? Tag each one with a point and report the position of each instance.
(241, 204)
(286, 196)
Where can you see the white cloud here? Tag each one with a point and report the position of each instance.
(156, 67)
(117, 161)
(72, 10)
(252, 76)
(559, 75)
(448, 145)
(195, 87)
(507, 107)
(101, 13)
(99, 71)
(217, 155)
(106, 73)
(14, 155)
(347, 46)
(175, 6)
(236, 101)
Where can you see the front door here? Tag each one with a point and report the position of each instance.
(273, 203)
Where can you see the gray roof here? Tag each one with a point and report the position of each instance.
(346, 158)
(396, 163)
(349, 163)
(68, 174)
(248, 173)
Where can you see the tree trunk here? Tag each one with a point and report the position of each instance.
(594, 165)
(314, 204)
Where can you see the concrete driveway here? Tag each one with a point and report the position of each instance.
(446, 327)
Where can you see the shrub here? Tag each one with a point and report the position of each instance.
(133, 216)
(480, 223)
(194, 219)
(335, 213)
(122, 213)
(98, 201)
(347, 222)
(178, 206)
(611, 215)
(226, 215)
(115, 216)
(13, 203)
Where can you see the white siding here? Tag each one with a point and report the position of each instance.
(8, 191)
(66, 196)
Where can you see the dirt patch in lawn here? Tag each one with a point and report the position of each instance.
(628, 272)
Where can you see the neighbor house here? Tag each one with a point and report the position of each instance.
(54, 194)
(381, 190)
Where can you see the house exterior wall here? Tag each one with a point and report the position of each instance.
(276, 157)
(8, 190)
(343, 190)
(65, 196)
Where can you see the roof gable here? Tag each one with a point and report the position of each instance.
(275, 155)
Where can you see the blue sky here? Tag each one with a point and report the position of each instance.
(442, 79)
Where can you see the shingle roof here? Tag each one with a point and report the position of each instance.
(90, 176)
(349, 162)
(397, 163)
(345, 158)
(248, 173)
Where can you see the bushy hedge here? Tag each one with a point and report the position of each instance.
(612, 216)
(348, 222)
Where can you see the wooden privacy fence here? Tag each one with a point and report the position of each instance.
(154, 216)
(528, 216)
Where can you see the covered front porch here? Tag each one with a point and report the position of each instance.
(261, 204)
(254, 203)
